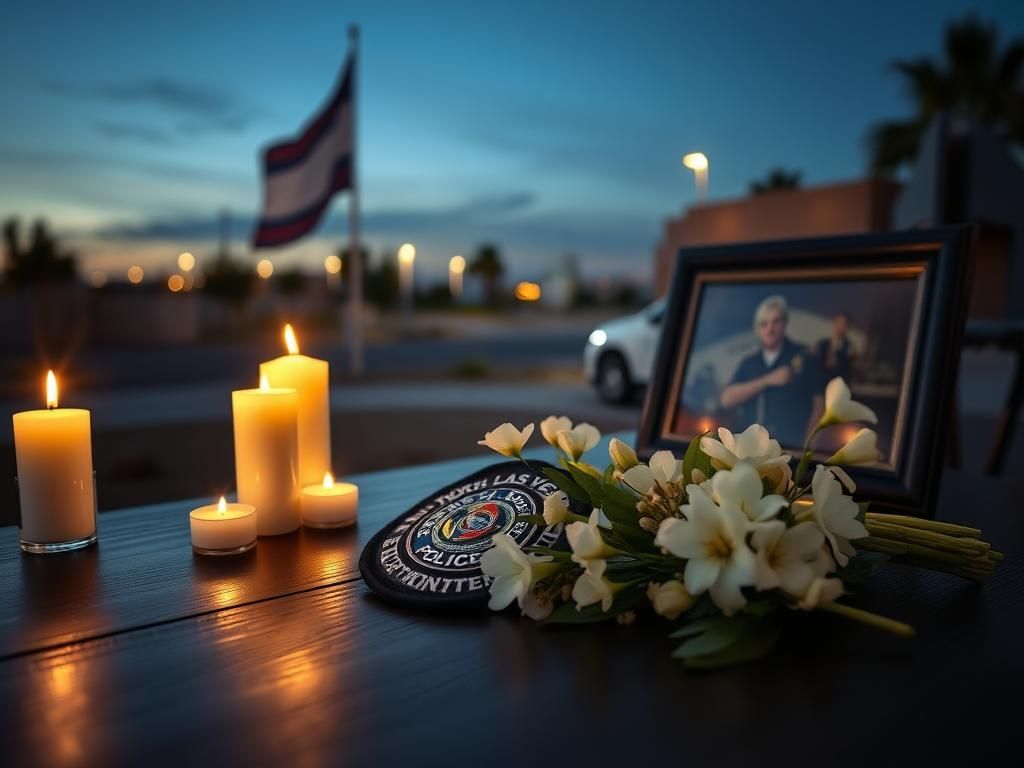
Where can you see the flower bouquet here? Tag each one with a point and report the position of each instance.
(718, 543)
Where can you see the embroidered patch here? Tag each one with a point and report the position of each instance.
(430, 556)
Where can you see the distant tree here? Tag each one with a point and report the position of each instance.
(229, 279)
(345, 253)
(487, 264)
(42, 261)
(380, 284)
(974, 81)
(290, 282)
(777, 179)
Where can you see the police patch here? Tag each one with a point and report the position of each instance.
(430, 556)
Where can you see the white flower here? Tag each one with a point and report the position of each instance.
(552, 425)
(862, 449)
(836, 514)
(840, 408)
(756, 446)
(514, 572)
(670, 598)
(819, 592)
(536, 607)
(578, 440)
(741, 487)
(592, 587)
(507, 440)
(622, 455)
(786, 556)
(712, 540)
(662, 469)
(585, 539)
(556, 508)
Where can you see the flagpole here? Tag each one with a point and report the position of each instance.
(355, 298)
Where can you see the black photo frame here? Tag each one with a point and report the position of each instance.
(937, 261)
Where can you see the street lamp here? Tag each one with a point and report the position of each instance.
(456, 266)
(332, 266)
(698, 163)
(406, 258)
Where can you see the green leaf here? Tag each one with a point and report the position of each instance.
(534, 520)
(590, 484)
(697, 626)
(695, 458)
(566, 484)
(558, 554)
(715, 638)
(863, 507)
(756, 641)
(625, 600)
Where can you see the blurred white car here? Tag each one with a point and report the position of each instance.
(619, 355)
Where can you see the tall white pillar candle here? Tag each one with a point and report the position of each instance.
(310, 378)
(266, 455)
(55, 478)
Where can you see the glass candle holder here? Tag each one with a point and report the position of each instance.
(57, 517)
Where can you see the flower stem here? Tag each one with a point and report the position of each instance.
(883, 623)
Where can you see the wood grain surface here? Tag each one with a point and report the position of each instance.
(141, 655)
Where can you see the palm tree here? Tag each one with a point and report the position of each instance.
(487, 264)
(42, 261)
(777, 178)
(975, 81)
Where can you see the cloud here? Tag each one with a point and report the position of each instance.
(202, 108)
(133, 131)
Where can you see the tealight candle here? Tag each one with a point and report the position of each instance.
(223, 529)
(266, 455)
(56, 486)
(330, 504)
(309, 377)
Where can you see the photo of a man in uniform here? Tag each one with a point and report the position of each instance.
(778, 383)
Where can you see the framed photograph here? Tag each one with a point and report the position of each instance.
(754, 332)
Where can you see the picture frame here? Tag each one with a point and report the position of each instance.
(924, 271)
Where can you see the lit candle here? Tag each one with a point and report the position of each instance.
(266, 455)
(55, 477)
(223, 529)
(330, 504)
(309, 377)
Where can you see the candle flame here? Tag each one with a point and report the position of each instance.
(222, 505)
(290, 341)
(328, 480)
(51, 390)
(264, 382)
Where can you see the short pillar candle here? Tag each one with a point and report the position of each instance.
(266, 455)
(56, 484)
(330, 504)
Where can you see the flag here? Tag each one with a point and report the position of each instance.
(302, 175)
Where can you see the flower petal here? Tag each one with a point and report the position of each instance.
(700, 575)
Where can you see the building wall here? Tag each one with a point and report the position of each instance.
(849, 208)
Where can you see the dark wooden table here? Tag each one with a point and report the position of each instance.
(136, 652)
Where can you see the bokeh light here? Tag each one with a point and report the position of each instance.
(186, 261)
(264, 268)
(332, 264)
(175, 283)
(135, 274)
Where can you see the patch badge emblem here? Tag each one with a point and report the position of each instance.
(430, 556)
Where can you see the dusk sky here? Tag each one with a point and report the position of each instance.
(545, 127)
